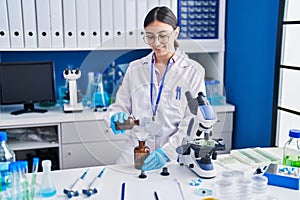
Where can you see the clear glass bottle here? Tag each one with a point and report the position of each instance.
(47, 186)
(6, 157)
(291, 150)
(128, 124)
(140, 154)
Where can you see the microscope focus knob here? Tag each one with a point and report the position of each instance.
(214, 155)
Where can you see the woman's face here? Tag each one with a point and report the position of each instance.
(160, 37)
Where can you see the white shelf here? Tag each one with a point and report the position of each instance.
(202, 46)
(72, 49)
(27, 145)
(187, 45)
(224, 108)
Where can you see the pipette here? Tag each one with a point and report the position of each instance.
(92, 186)
(72, 191)
(35, 166)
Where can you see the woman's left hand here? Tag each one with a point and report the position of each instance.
(155, 160)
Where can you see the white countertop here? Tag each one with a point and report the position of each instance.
(53, 116)
(56, 115)
(113, 177)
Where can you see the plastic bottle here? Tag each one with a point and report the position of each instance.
(128, 124)
(291, 150)
(6, 157)
(140, 154)
(47, 186)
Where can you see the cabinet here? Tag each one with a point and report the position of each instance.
(82, 139)
(34, 140)
(88, 143)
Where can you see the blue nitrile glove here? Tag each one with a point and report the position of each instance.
(118, 117)
(155, 160)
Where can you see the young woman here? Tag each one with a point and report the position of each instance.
(154, 87)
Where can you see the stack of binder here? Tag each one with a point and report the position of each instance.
(83, 24)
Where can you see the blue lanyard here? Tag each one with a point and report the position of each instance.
(154, 107)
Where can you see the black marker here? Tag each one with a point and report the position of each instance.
(155, 195)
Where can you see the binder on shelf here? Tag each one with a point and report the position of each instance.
(15, 22)
(94, 24)
(166, 3)
(43, 23)
(119, 23)
(82, 23)
(130, 23)
(69, 21)
(107, 23)
(29, 23)
(152, 4)
(56, 21)
(141, 10)
(4, 30)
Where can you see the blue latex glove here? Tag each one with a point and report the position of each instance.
(118, 117)
(155, 160)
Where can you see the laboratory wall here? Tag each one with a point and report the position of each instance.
(87, 61)
(249, 68)
(251, 28)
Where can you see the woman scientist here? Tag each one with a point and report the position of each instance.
(154, 87)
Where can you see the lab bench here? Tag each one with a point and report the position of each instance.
(80, 139)
(109, 186)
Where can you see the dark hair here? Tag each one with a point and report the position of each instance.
(162, 14)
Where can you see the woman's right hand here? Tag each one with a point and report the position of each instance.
(118, 117)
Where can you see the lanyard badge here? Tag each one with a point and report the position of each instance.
(154, 107)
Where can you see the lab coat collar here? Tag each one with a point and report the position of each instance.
(178, 57)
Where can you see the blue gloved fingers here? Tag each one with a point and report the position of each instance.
(118, 117)
(149, 162)
(153, 163)
(122, 116)
(155, 160)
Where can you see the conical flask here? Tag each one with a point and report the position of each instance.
(47, 186)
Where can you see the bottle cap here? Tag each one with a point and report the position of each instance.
(295, 133)
(46, 163)
(35, 161)
(3, 136)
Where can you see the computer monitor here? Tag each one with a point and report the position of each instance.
(27, 83)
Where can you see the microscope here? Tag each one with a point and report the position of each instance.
(196, 151)
(72, 76)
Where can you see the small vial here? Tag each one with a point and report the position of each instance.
(47, 186)
(128, 124)
(291, 150)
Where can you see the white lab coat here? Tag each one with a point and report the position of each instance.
(173, 114)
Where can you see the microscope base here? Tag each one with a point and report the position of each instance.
(193, 165)
(206, 174)
(73, 108)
